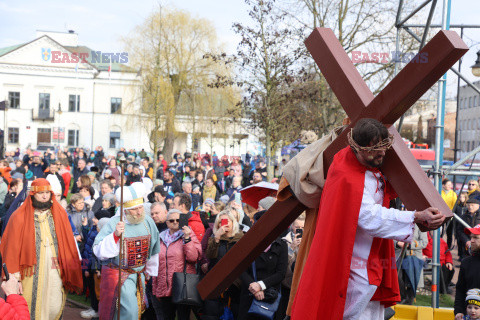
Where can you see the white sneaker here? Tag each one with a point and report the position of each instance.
(88, 314)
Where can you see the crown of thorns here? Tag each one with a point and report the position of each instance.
(383, 145)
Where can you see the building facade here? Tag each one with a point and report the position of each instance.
(59, 93)
(468, 119)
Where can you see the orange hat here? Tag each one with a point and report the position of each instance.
(39, 185)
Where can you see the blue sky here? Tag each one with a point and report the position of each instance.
(100, 24)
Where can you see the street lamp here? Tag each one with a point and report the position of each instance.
(476, 66)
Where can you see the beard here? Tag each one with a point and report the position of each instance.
(135, 220)
(374, 162)
(41, 205)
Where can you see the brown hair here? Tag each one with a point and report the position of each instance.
(85, 181)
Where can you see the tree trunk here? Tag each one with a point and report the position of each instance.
(269, 156)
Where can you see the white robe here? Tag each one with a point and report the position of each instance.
(374, 220)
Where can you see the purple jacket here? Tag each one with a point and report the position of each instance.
(172, 259)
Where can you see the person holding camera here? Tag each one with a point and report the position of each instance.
(225, 234)
(178, 245)
(293, 240)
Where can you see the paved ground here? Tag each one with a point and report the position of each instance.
(72, 311)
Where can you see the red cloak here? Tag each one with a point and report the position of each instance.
(322, 289)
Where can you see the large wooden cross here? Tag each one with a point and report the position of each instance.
(400, 167)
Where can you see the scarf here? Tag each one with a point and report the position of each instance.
(209, 192)
(18, 244)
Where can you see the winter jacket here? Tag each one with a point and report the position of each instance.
(14, 308)
(472, 220)
(195, 222)
(67, 177)
(468, 278)
(5, 173)
(216, 251)
(37, 169)
(87, 254)
(271, 267)
(445, 254)
(78, 216)
(172, 259)
(450, 198)
(76, 174)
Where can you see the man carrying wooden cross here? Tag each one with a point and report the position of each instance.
(356, 277)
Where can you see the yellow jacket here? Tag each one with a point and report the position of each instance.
(450, 198)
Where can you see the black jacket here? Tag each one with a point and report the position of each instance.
(468, 278)
(76, 174)
(472, 221)
(271, 267)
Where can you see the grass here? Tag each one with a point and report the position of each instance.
(80, 299)
(446, 301)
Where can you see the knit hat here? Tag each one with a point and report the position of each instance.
(267, 202)
(91, 173)
(110, 197)
(108, 171)
(209, 201)
(17, 175)
(102, 222)
(195, 187)
(224, 198)
(473, 297)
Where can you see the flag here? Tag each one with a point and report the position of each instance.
(109, 69)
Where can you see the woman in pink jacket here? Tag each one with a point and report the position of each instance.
(176, 246)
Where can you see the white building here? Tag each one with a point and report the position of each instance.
(468, 119)
(55, 98)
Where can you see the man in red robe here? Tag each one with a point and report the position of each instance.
(355, 278)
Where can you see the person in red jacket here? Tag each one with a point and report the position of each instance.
(446, 261)
(15, 306)
(183, 202)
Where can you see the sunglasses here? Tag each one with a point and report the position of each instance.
(173, 220)
(472, 184)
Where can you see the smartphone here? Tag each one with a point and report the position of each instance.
(183, 220)
(299, 233)
(238, 198)
(5, 271)
(224, 222)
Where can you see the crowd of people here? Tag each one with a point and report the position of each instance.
(182, 216)
(190, 209)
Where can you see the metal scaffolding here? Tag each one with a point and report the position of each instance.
(437, 169)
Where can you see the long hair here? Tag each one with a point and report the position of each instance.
(226, 213)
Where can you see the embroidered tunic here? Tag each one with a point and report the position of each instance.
(140, 255)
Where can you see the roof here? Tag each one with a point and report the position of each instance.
(101, 66)
(6, 50)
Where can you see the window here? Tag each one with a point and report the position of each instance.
(74, 103)
(474, 101)
(73, 138)
(13, 134)
(470, 102)
(114, 140)
(116, 105)
(44, 101)
(14, 100)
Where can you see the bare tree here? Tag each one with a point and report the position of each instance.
(171, 49)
